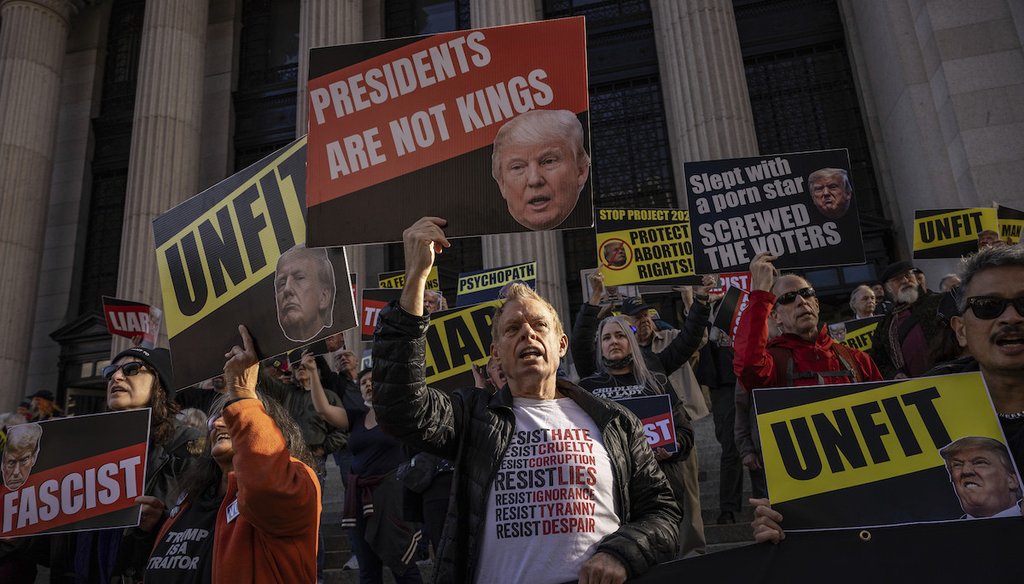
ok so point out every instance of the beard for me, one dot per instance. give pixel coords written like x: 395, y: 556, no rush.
x: 907, y: 295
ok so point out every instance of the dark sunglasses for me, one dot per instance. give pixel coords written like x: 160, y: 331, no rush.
x: 989, y: 307
x: 129, y: 369
x: 790, y: 297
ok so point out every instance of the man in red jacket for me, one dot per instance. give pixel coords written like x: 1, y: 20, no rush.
x: 803, y: 353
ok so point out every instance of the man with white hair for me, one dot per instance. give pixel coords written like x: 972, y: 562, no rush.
x: 900, y: 344
x: 862, y: 302
x: 540, y: 165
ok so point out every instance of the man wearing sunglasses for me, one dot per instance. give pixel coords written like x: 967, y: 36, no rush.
x: 803, y: 353
x: 900, y: 346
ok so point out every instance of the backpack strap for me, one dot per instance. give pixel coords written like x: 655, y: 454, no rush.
x: 845, y: 356
x: 784, y: 364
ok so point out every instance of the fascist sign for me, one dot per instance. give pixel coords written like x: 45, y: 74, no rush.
x: 951, y: 233
x: 739, y: 280
x: 856, y: 333
x: 133, y: 320
x: 655, y: 414
x: 374, y: 300
x: 235, y: 254
x: 486, y: 285
x: 883, y: 453
x: 409, y: 125
x: 57, y: 481
x: 1011, y: 221
x: 396, y: 279
x: 799, y: 206
x: 456, y: 340
x: 645, y: 246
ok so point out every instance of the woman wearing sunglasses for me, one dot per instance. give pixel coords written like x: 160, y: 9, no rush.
x: 136, y: 378
x: 250, y: 509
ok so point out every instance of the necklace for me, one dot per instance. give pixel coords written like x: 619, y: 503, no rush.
x: 1013, y: 416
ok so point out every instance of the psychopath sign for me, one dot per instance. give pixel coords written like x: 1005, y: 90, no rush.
x: 800, y: 206
x: 951, y: 233
x: 486, y: 285
x: 408, y: 125
x: 396, y: 279
x: 133, y: 320
x: 645, y: 246
x: 235, y: 254
x: 655, y: 414
x: 55, y: 481
x: 858, y: 455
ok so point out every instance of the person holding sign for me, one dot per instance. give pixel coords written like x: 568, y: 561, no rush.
x: 305, y: 290
x: 551, y: 483
x: 983, y: 477
x: 804, y: 353
x: 254, y: 497
x: 541, y: 166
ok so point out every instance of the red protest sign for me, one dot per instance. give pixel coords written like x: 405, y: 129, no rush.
x: 56, y: 482
x: 407, y: 125
x: 374, y: 300
x: 655, y: 413
x: 739, y: 280
x: 130, y: 319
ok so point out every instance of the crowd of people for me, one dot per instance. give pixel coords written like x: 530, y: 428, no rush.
x: 531, y: 475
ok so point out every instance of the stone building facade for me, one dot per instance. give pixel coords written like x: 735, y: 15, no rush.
x: 112, y: 111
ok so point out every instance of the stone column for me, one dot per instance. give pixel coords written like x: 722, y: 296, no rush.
x: 703, y: 83
x: 545, y: 248
x: 33, y: 38
x: 323, y: 23
x: 163, y: 165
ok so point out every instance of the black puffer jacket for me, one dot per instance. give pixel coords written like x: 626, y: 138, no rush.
x: 473, y: 428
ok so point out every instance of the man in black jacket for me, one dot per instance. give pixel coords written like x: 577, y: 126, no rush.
x: 551, y: 484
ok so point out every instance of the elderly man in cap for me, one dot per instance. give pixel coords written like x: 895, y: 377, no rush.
x: 900, y: 345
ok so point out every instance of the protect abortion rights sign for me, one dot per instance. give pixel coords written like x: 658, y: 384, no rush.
x: 133, y: 320
x: 801, y: 207
x: 871, y: 454
x: 403, y: 128
x: 74, y: 474
x: 951, y: 233
x: 236, y: 254
x: 645, y: 246
x: 486, y: 285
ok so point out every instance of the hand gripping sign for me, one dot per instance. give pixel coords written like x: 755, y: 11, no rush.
x: 405, y: 128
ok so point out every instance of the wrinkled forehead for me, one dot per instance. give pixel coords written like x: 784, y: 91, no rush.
x: 1001, y: 281
x: 19, y: 452
x: 789, y: 283
x: 519, y: 309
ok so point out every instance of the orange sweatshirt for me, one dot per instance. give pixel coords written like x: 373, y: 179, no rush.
x: 266, y: 528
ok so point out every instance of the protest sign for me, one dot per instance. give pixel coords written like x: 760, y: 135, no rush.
x: 655, y: 414
x: 374, y: 300
x: 612, y: 294
x: 1011, y: 221
x: 396, y: 279
x: 868, y: 454
x: 457, y: 339
x: 951, y: 233
x: 486, y: 285
x: 235, y: 254
x: 794, y: 206
x: 645, y: 246
x: 730, y: 309
x: 133, y: 320
x: 74, y: 474
x: 403, y: 128
x: 739, y: 280
x: 857, y: 333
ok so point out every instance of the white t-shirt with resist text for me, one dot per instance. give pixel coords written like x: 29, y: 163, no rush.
x: 552, y: 499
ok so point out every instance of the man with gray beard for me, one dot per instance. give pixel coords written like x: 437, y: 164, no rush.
x: 900, y: 346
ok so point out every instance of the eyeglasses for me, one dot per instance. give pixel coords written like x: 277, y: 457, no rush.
x: 129, y: 369
x: 989, y: 307
x: 790, y: 297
